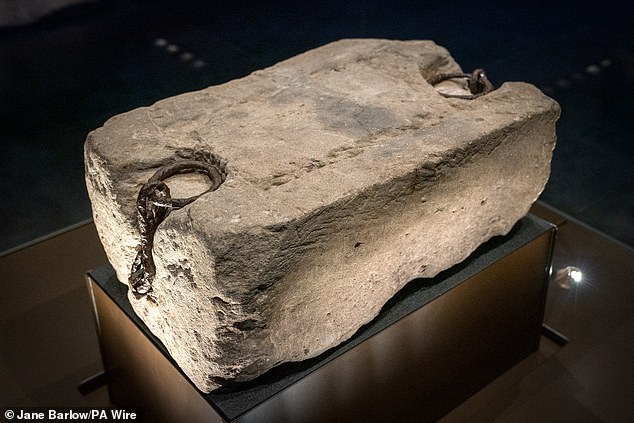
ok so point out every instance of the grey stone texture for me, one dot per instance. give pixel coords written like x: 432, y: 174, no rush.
x: 347, y: 176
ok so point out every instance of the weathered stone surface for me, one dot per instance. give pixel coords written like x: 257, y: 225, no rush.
x: 348, y: 175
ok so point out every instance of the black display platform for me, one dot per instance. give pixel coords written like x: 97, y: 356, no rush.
x: 433, y: 345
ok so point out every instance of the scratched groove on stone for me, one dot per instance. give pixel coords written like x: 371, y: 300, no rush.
x: 347, y: 175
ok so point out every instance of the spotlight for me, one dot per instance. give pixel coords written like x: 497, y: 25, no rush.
x: 568, y: 274
x: 575, y: 274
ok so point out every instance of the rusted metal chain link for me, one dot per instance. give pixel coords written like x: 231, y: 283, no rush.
x: 153, y: 205
x: 477, y: 82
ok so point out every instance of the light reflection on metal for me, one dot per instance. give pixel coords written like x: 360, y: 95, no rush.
x: 567, y: 275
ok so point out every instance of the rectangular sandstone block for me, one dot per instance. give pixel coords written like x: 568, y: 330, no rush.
x: 343, y: 175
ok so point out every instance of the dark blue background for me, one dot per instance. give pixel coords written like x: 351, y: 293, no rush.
x: 66, y: 74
